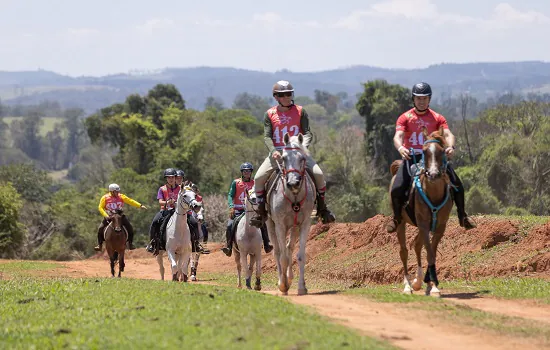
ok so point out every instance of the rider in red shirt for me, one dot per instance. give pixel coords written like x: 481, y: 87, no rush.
x: 409, y: 135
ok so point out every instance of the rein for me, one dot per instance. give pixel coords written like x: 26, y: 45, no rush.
x: 418, y: 185
x: 296, y: 205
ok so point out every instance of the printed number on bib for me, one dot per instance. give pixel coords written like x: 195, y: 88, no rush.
x: 241, y: 197
x: 280, y: 133
x: 112, y: 206
x: 416, y: 139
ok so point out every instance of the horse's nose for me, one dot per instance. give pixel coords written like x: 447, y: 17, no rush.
x: 118, y: 229
x: 433, y: 174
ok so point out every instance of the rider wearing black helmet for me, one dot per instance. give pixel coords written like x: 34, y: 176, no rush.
x: 167, y: 196
x: 235, y: 200
x: 180, y: 175
x: 409, y: 135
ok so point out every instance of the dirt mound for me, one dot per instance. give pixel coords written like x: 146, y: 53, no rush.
x: 361, y: 253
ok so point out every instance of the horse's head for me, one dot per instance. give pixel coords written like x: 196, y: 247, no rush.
x: 294, y: 161
x: 187, y: 199
x: 116, y: 220
x: 251, y: 199
x: 435, y: 159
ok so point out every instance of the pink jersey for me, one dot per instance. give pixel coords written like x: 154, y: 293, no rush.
x: 283, y: 122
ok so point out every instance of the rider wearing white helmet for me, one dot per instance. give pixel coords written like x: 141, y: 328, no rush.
x: 108, y: 205
x: 284, y: 118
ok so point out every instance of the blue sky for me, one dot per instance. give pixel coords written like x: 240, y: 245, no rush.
x: 103, y: 37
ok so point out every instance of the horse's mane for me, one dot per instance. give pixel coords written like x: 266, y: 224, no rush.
x: 294, y: 142
x: 436, y: 135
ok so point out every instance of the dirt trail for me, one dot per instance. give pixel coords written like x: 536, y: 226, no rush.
x: 401, y: 325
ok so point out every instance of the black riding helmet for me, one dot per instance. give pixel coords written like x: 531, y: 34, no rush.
x: 169, y: 172
x: 180, y: 172
x: 421, y: 89
x: 247, y: 166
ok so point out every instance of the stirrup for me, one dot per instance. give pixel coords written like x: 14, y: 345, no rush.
x: 326, y: 216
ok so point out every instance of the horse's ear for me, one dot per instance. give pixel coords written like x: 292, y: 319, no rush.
x: 301, y: 138
x: 286, y: 138
x: 441, y: 131
x: 425, y: 132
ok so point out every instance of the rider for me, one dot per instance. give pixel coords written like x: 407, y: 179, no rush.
x: 278, y: 120
x: 167, y: 195
x: 180, y: 175
x: 235, y: 200
x: 408, y: 134
x: 109, y: 203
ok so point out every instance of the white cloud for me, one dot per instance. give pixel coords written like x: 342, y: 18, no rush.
x: 267, y: 17
x: 154, y: 24
x: 82, y: 31
x: 503, y: 15
x: 504, y: 12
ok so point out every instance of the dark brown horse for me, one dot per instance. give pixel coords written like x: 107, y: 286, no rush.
x: 430, y: 194
x: 115, y: 242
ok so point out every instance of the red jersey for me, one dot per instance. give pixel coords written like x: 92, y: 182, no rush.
x: 283, y: 122
x: 412, y: 123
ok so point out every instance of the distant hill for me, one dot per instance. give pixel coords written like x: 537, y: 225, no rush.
x: 196, y: 84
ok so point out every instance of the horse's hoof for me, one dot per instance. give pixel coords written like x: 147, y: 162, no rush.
x: 175, y: 277
x: 302, y: 291
x: 407, y: 291
x: 184, y: 278
x: 435, y: 294
x: 193, y: 278
x: 258, y: 287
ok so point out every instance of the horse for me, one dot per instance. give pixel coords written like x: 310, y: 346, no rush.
x: 248, y: 243
x: 430, y: 194
x: 195, y: 221
x: 115, y: 242
x: 178, y: 238
x: 290, y: 202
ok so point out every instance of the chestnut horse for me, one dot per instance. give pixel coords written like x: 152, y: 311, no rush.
x: 430, y: 194
x: 115, y: 241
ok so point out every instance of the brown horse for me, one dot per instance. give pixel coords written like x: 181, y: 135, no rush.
x: 115, y: 242
x: 430, y: 194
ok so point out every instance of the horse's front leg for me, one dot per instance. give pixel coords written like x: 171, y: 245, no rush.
x: 121, y: 263
x: 404, y: 255
x: 258, y: 285
x: 237, y: 257
x: 301, y: 257
x: 160, y: 262
x: 294, y: 236
x: 173, y: 261
x: 246, y: 266
x: 417, y: 283
x: 430, y: 278
x: 436, y: 238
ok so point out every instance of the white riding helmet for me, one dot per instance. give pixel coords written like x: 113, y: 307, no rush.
x: 114, y: 187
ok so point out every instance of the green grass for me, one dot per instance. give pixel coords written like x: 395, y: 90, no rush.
x: 537, y: 289
x: 21, y: 268
x: 128, y: 313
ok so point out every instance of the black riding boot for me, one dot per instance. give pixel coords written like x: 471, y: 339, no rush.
x: 322, y: 211
x: 463, y: 218
x: 260, y: 217
x: 397, y: 207
x: 228, y: 249
x: 99, y: 239
x: 265, y: 237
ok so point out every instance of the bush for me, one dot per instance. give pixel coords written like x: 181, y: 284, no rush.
x: 480, y: 200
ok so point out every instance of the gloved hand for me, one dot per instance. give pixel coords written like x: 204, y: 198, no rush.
x: 232, y: 213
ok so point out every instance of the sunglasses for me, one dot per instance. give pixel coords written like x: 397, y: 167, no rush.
x: 284, y: 94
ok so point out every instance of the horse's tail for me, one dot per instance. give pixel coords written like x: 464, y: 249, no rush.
x: 395, y: 166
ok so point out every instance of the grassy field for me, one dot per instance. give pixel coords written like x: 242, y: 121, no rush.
x: 49, y: 123
x: 127, y: 313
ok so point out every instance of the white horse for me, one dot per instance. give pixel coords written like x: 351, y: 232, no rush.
x: 291, y: 203
x: 248, y: 241
x: 178, y: 238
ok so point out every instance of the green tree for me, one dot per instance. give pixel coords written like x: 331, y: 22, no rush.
x: 381, y: 104
x: 12, y: 233
x: 256, y: 105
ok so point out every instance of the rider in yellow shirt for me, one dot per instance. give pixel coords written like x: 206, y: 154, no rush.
x: 108, y: 205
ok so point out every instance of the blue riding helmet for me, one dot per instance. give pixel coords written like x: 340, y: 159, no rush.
x: 247, y: 166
